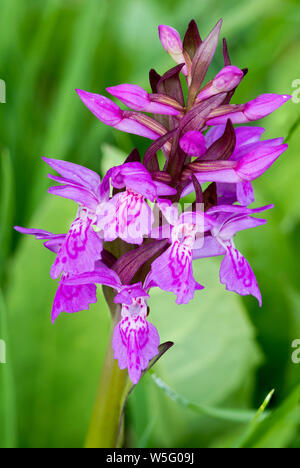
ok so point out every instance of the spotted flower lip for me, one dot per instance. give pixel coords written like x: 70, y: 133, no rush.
x: 80, y: 249
x: 135, y: 176
x: 72, y: 299
x: 127, y: 215
x: 135, y: 340
x: 69, y: 298
x: 77, y: 292
x: 82, y: 246
x: 173, y: 270
x: 235, y: 271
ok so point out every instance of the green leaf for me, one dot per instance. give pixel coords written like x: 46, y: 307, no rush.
x: 275, y: 430
x: 240, y: 416
x: 257, y: 418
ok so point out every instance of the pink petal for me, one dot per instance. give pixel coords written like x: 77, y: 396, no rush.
x: 264, y: 105
x: 237, y: 275
x: 73, y: 299
x: 138, y: 99
x: 79, y: 250
x: 173, y: 272
x: 193, y: 143
x: 135, y: 340
x: 80, y: 175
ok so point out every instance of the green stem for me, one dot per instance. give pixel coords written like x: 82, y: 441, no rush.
x: 104, y: 427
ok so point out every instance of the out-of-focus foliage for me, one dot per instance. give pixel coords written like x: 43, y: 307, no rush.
x: 227, y: 351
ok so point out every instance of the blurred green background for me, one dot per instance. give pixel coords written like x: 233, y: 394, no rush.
x: 228, y: 352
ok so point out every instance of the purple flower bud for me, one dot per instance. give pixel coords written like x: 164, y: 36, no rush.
x: 228, y: 78
x: 172, y: 43
x: 264, y: 105
x: 256, y: 109
x: 133, y: 96
x: 111, y: 114
x: 255, y: 163
x: 193, y: 143
x: 170, y: 40
x: 138, y: 99
x: 251, y: 166
x: 102, y: 107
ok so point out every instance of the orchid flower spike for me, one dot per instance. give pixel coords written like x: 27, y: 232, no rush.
x: 128, y: 233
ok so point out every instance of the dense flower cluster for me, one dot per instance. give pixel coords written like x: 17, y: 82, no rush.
x: 129, y: 233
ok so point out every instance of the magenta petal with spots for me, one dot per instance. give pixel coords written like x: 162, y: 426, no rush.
x: 134, y: 176
x: 127, y: 293
x: 245, y: 193
x: 73, y: 299
x: 79, y: 250
x: 237, y: 275
x: 235, y: 271
x: 173, y: 272
x: 135, y: 340
x: 127, y: 216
